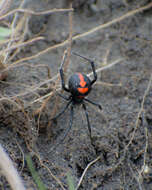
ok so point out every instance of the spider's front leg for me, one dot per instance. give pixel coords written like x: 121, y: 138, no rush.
x: 92, y: 65
x: 94, y: 72
x: 62, y: 76
x: 88, y: 122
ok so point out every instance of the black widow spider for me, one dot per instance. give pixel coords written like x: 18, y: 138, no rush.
x: 79, y: 87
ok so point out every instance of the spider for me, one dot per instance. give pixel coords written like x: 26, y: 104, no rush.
x: 79, y: 87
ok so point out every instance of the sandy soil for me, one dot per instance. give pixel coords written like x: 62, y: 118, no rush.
x: 122, y: 140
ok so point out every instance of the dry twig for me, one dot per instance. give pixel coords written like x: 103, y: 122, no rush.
x: 22, y: 44
x: 115, y: 166
x: 66, y: 64
x: 4, y: 6
x: 140, y: 112
x: 84, y: 172
x: 9, y: 171
x: 34, y: 12
x: 91, y: 31
x: 51, y: 174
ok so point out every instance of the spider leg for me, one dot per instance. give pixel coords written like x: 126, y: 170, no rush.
x: 67, y: 130
x: 70, y: 124
x: 92, y: 65
x: 63, y: 110
x: 64, y: 97
x: 88, y: 122
x: 94, y: 103
x: 62, y: 76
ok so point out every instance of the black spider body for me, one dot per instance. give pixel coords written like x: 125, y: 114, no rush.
x: 79, y: 87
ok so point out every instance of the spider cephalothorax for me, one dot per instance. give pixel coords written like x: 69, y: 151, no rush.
x: 79, y: 87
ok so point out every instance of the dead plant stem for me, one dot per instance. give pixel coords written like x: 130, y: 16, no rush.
x: 91, y: 31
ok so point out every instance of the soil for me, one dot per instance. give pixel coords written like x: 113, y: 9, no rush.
x: 122, y: 139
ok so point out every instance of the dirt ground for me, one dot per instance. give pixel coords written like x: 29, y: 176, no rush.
x: 120, y: 157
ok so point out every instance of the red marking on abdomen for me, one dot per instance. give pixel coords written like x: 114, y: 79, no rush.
x: 82, y: 81
x: 82, y: 90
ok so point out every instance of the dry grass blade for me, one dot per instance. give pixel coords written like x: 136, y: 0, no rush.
x: 84, y: 172
x: 9, y: 171
x: 51, y: 174
x: 65, y: 66
x: 136, y: 124
x: 4, y: 6
x: 70, y: 39
x: 140, y: 111
x: 23, y: 44
x: 23, y: 160
x: 35, y: 13
x: 100, y: 27
x: 16, y: 25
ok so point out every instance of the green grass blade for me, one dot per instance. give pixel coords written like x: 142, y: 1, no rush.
x: 35, y: 175
x: 4, y: 32
x: 70, y: 182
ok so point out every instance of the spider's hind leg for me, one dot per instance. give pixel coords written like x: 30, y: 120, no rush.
x: 70, y: 124
x: 62, y: 111
x: 67, y: 130
x: 88, y: 122
x: 93, y: 103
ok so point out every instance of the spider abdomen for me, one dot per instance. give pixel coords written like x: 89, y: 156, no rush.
x: 79, y: 85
